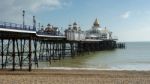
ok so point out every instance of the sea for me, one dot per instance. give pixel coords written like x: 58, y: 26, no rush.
x: 136, y: 56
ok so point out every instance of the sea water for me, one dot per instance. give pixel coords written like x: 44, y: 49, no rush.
x: 136, y: 56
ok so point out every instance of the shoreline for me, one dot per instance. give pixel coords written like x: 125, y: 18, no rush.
x: 66, y: 71
x: 73, y: 72
x: 97, y: 69
x: 74, y: 68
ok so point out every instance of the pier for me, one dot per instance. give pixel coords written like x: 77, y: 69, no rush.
x: 22, y: 46
x: 121, y: 45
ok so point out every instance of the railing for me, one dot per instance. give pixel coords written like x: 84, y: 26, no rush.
x: 9, y: 25
x: 50, y: 33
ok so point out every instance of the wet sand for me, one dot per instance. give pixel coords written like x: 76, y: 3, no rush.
x: 53, y: 76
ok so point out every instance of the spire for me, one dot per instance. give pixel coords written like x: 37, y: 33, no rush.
x: 96, y: 23
x: 105, y: 29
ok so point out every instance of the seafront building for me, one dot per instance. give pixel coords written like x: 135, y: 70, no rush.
x: 98, y: 33
x: 75, y: 33
x: 49, y: 30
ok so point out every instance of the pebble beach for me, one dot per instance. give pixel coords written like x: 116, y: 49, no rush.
x: 60, y: 76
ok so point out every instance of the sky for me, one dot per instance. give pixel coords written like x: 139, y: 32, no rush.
x: 129, y: 20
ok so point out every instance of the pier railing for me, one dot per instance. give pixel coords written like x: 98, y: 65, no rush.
x: 50, y: 33
x: 9, y: 25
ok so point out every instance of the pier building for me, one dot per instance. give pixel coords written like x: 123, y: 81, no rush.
x: 75, y: 33
x: 98, y: 33
x: 49, y: 30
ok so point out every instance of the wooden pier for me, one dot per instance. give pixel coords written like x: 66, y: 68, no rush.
x: 121, y: 45
x: 22, y: 46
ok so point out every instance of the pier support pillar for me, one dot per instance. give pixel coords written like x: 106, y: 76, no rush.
x: 13, y: 55
x: 35, y: 53
x: 2, y: 51
x: 30, y: 64
x: 21, y: 54
x: 63, y: 49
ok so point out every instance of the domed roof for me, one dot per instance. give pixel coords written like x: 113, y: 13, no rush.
x: 69, y: 25
x: 49, y: 28
x: 96, y: 23
x: 105, y: 30
x: 48, y: 25
x: 74, y: 23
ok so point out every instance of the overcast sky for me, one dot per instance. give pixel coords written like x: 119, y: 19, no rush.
x: 129, y: 20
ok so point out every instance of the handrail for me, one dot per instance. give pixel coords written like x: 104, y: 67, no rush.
x: 9, y: 25
x: 50, y: 33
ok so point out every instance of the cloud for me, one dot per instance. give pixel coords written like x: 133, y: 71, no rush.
x: 43, y: 4
x: 126, y: 15
x: 11, y: 10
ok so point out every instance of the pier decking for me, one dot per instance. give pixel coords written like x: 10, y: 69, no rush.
x: 21, y: 45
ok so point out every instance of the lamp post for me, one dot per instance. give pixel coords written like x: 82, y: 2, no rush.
x: 34, y: 23
x: 23, y: 17
x: 39, y: 26
x: 110, y: 35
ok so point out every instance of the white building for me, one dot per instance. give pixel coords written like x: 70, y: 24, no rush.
x: 50, y: 30
x: 98, y: 33
x: 95, y: 33
x: 74, y: 33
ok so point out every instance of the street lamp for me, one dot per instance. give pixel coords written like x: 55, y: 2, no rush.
x: 39, y: 26
x: 23, y: 17
x: 110, y: 35
x: 34, y: 23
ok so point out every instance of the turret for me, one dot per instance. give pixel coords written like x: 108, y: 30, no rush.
x: 75, y: 26
x: 96, y: 24
x: 69, y: 27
